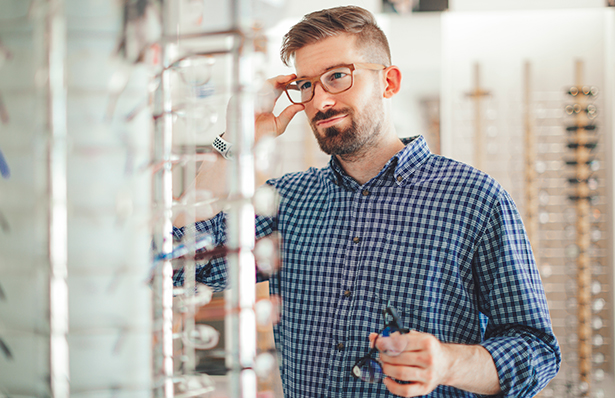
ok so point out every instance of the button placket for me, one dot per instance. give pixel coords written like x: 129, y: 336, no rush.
x: 352, y: 259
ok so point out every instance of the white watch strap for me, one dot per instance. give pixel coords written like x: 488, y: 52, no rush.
x: 222, y: 146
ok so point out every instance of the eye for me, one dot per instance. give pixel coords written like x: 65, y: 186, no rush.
x: 336, y: 76
x: 304, y: 85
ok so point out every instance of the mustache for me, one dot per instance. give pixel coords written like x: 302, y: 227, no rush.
x: 327, y: 114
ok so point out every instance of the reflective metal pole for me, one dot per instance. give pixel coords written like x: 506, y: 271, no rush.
x: 241, y: 326
x: 58, y: 223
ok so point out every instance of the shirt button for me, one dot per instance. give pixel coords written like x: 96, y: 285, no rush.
x: 340, y: 347
x: 365, y: 192
x: 400, y: 178
x: 347, y: 293
x: 356, y: 239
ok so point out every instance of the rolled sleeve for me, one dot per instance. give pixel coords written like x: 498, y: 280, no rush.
x: 214, y: 272
x: 518, y: 333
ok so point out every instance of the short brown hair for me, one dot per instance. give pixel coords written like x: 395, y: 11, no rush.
x: 331, y: 22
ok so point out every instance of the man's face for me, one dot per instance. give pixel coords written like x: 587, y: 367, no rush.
x: 346, y: 122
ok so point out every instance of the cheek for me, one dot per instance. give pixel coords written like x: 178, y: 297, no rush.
x: 309, y: 112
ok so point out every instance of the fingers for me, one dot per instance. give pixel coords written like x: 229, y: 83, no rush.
x: 393, y: 345
x: 418, y: 358
x: 271, y: 91
x: 414, y: 358
x: 266, y: 122
x: 411, y: 366
x: 279, y: 82
x: 419, y: 349
x: 412, y: 341
x: 419, y: 377
x: 286, y: 116
x: 372, y: 337
x: 407, y: 390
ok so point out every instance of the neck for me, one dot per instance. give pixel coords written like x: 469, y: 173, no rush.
x: 365, y: 164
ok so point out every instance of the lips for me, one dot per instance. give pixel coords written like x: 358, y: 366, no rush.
x: 331, y: 121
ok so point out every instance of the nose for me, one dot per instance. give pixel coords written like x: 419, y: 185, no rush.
x: 322, y: 100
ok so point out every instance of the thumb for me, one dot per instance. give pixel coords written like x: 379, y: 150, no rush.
x: 286, y: 116
x: 392, y: 345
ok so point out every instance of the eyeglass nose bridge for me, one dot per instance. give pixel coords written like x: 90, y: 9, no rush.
x: 324, y: 88
x: 313, y: 82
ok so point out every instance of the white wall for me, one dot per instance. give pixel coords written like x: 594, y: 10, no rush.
x: 485, y: 5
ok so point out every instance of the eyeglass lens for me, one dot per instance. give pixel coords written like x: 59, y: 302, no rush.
x: 333, y: 81
x: 368, y: 370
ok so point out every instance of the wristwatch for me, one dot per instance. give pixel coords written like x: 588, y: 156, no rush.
x: 222, y: 146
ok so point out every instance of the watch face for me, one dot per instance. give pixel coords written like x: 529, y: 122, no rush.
x: 223, y: 147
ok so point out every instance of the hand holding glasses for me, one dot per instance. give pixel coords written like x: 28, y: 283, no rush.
x: 368, y: 368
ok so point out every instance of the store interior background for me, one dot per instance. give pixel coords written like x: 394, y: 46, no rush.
x: 526, y: 53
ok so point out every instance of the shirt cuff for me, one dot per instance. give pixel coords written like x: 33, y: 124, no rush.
x: 524, y: 364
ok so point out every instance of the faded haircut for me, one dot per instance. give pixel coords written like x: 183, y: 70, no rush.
x: 319, y: 25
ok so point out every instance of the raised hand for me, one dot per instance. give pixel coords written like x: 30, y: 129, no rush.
x: 266, y: 123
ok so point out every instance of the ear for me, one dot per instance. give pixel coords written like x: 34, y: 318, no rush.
x: 392, y: 81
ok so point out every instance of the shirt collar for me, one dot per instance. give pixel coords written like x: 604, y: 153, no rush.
x: 404, y: 163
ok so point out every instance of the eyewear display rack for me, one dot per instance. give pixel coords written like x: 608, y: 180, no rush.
x: 582, y: 141
x: 476, y: 95
x: 210, y: 58
x: 106, y: 108
x: 489, y: 132
x: 75, y: 242
x: 571, y: 231
x: 531, y: 200
x: 562, y: 195
x: 566, y: 204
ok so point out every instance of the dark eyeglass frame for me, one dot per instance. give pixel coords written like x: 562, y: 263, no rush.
x: 316, y: 79
x: 369, y: 360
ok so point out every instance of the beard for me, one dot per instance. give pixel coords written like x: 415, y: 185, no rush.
x: 359, y: 136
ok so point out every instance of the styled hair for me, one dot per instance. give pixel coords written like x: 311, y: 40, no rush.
x: 319, y: 25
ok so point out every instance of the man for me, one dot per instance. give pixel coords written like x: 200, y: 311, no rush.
x: 389, y: 227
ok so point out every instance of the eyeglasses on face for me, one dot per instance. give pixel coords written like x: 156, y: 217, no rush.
x: 368, y: 368
x: 334, y: 81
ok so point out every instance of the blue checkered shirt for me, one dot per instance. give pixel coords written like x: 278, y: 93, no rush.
x: 439, y: 240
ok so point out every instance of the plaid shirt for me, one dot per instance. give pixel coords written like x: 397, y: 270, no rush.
x: 439, y: 240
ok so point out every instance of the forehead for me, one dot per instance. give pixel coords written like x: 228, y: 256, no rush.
x: 316, y: 58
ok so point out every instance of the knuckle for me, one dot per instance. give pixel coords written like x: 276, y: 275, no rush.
x: 430, y: 375
x: 430, y: 342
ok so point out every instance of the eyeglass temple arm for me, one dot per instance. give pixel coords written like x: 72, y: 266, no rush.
x: 363, y: 65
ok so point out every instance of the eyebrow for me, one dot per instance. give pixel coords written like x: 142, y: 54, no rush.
x: 325, y: 70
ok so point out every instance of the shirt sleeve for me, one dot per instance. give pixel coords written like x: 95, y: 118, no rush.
x: 214, y: 272
x: 518, y: 333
